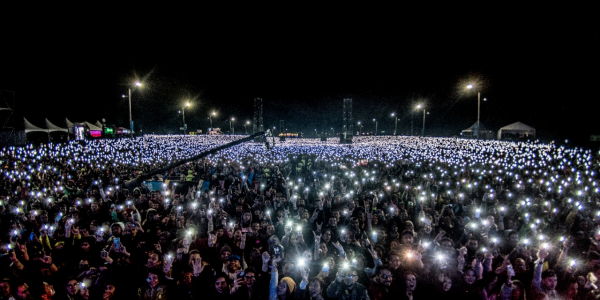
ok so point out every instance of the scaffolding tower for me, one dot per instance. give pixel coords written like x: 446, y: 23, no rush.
x: 348, y: 126
x: 257, y: 124
x: 8, y: 130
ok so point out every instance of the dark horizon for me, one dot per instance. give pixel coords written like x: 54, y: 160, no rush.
x: 543, y: 77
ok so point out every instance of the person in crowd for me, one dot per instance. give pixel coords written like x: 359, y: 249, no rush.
x: 221, y: 287
x: 381, y: 287
x: 71, y: 290
x: 544, y: 281
x: 345, y: 286
x: 5, y: 292
x: 156, y: 287
x: 72, y: 212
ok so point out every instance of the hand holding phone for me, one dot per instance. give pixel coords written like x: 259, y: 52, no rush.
x: 278, y: 251
x: 511, y: 271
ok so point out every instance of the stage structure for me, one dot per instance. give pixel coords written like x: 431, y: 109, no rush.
x: 348, y: 127
x: 281, y: 130
x: 8, y: 132
x: 257, y: 124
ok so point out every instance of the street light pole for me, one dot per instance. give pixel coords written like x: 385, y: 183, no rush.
x: 130, y: 118
x: 412, y: 121
x: 137, y: 83
x: 183, y: 115
x: 210, y: 118
x: 359, y: 128
x: 419, y: 107
x: 470, y: 86
x: 246, y: 127
x: 423, y: 131
x: 374, y: 120
x: 395, y: 122
x: 478, y: 111
x: 231, y: 125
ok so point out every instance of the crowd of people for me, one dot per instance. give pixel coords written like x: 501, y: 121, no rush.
x: 384, y: 217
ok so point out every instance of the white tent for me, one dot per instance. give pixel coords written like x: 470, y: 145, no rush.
x: 53, y: 128
x: 517, y: 129
x: 32, y: 128
x: 89, y: 125
x: 93, y: 127
x: 484, y: 133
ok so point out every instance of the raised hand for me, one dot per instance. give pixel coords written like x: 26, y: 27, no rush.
x: 304, y: 275
x: 319, y: 226
x: 373, y: 252
x: 287, y: 231
x: 186, y: 243
x: 236, y: 284
x: 315, y: 214
x: 542, y: 254
x: 317, y: 237
x: 47, y: 259
x: 168, y: 263
x: 276, y: 260
x: 488, y: 255
x: 212, y: 239
x: 338, y: 246
x: 266, y: 257
x: 197, y: 266
x: 123, y: 250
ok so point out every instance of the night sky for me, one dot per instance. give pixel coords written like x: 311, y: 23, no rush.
x: 536, y: 69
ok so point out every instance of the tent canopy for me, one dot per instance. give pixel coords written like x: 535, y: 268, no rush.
x: 32, y: 128
x: 472, y: 128
x: 93, y: 127
x: 516, y: 128
x: 53, y: 128
x: 89, y: 125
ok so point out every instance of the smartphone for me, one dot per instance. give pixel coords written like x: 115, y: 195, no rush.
x: 240, y: 274
x: 117, y: 242
x: 103, y: 254
x: 278, y: 251
x: 31, y: 237
x: 245, y: 229
x: 511, y: 271
x: 325, y: 268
